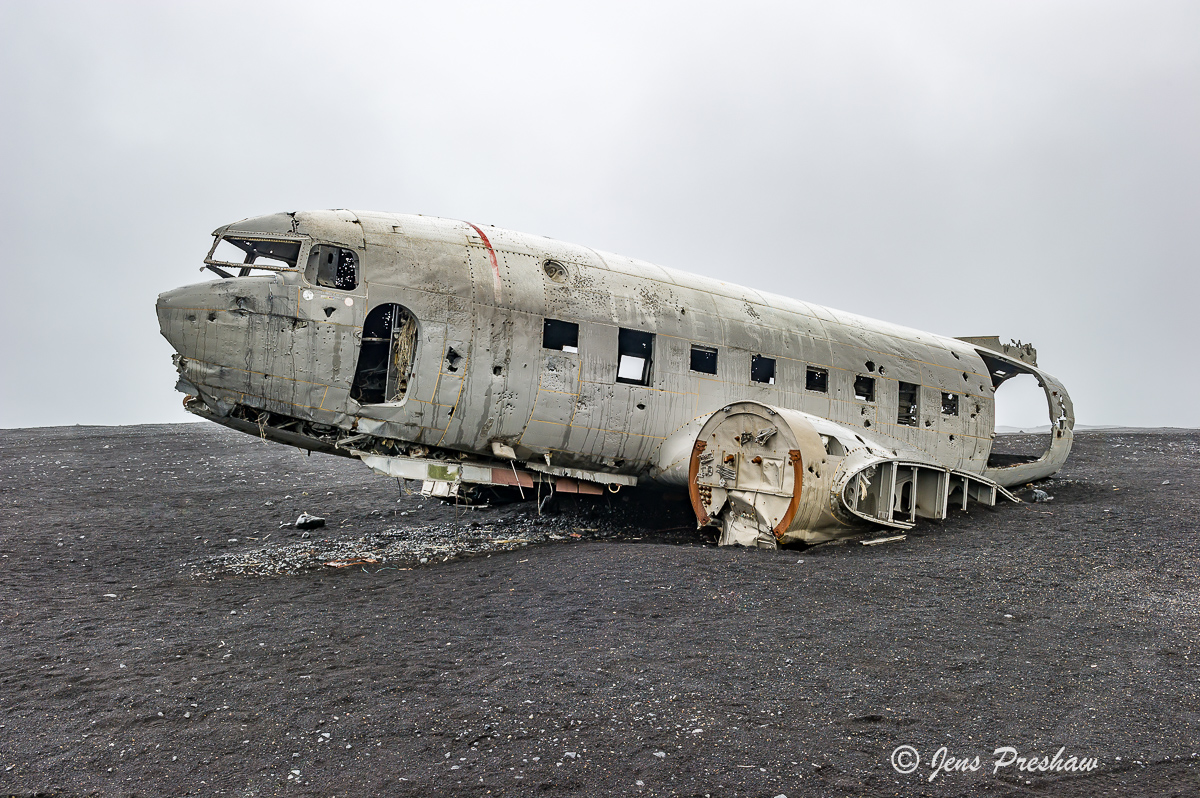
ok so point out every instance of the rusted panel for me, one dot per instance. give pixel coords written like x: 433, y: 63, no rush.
x: 501, y: 476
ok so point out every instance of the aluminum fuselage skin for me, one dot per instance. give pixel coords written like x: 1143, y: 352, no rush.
x: 257, y: 341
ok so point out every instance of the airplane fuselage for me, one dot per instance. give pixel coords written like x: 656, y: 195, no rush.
x: 455, y: 338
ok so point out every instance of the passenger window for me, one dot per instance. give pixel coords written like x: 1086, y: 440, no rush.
x: 762, y: 369
x: 907, y: 412
x: 949, y: 404
x: 864, y: 388
x: 817, y: 380
x: 332, y: 267
x: 704, y: 359
x: 560, y: 335
x: 635, y: 350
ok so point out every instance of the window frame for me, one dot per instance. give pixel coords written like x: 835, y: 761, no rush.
x: 755, y: 360
x: 868, y: 395
x: 639, y: 345
x: 950, y: 400
x: 704, y: 351
x: 558, y: 326
x: 913, y: 418
x: 312, y: 277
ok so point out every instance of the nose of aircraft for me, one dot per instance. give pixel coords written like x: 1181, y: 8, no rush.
x: 185, y: 314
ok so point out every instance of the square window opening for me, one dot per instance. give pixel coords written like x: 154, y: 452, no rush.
x: 560, y: 335
x: 907, y: 411
x: 704, y: 359
x: 949, y: 404
x: 762, y: 369
x: 864, y: 388
x: 816, y: 380
x: 635, y: 352
x: 332, y: 267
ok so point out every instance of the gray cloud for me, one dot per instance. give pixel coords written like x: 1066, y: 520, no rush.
x: 1022, y: 169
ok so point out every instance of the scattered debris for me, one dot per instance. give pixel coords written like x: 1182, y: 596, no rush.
x: 877, y: 541
x: 306, y: 521
x: 487, y: 532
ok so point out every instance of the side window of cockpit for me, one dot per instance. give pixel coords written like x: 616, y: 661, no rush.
x: 332, y: 267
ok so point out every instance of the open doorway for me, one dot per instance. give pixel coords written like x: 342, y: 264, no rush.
x: 385, y: 360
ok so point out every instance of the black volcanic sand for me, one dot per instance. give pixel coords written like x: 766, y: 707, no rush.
x: 625, y: 661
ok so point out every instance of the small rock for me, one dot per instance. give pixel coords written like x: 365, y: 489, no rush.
x: 306, y: 521
x: 661, y: 754
x: 1041, y: 496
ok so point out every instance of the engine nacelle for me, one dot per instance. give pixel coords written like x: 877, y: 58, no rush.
x: 768, y: 475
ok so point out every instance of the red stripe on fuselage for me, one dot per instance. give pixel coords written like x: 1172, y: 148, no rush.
x: 492, y: 257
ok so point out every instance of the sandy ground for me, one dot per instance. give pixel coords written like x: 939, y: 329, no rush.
x: 601, y: 649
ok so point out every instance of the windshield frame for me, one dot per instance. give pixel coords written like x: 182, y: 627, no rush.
x: 244, y: 269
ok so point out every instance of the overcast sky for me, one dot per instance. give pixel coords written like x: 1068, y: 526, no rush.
x: 1022, y: 169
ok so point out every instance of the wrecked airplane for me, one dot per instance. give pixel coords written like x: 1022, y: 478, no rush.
x: 473, y: 358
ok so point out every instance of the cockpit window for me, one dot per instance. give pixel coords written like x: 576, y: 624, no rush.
x: 257, y: 253
x: 332, y: 267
